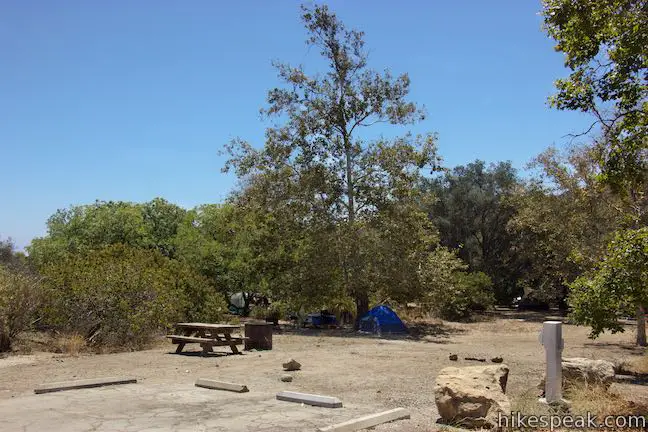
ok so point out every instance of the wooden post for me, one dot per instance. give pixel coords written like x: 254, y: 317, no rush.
x: 259, y: 336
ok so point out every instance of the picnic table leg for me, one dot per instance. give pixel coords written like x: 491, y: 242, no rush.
x: 207, y: 348
x: 181, y: 345
x: 235, y: 350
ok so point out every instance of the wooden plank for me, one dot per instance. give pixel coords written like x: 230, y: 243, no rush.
x: 81, y: 384
x: 208, y: 326
x: 196, y: 339
x: 191, y: 339
x: 221, y: 385
x: 310, y: 399
x: 368, y: 421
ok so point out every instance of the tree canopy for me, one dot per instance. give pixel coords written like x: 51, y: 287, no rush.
x: 605, y: 43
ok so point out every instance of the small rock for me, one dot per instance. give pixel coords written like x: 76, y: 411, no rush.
x: 292, y: 365
x: 187, y: 371
x: 453, y: 357
x: 286, y: 378
x: 497, y: 359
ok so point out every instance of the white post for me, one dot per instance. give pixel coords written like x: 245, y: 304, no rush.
x: 551, y: 339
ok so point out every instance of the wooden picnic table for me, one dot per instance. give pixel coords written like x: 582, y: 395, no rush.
x: 207, y: 335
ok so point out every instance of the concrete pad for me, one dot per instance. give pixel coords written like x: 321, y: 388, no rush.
x: 81, y: 384
x: 310, y: 399
x: 368, y: 421
x: 221, y: 385
x: 164, y: 407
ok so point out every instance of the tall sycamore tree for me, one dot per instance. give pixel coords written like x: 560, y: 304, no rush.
x: 316, y: 169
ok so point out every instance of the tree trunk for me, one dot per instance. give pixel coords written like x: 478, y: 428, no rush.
x: 5, y: 342
x: 641, y: 326
x: 362, y: 307
x: 349, y: 179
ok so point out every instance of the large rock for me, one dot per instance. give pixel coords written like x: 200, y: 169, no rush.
x: 584, y: 370
x: 588, y: 370
x: 472, y: 396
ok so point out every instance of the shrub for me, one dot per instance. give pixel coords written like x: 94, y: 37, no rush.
x: 202, y: 302
x: 121, y: 296
x: 20, y: 299
x: 258, y: 312
x: 452, y: 292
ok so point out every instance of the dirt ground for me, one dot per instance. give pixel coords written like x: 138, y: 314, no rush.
x: 368, y: 374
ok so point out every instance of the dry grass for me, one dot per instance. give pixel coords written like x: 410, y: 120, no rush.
x: 528, y: 403
x: 584, y: 400
x: 597, y: 400
x: 413, y: 314
x: 72, y: 344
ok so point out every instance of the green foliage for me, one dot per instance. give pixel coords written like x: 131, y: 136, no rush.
x: 6, y: 251
x: 617, y: 287
x: 161, y: 221
x: 21, y: 298
x: 81, y: 229
x: 451, y: 292
x: 605, y: 43
x: 472, y: 211
x: 123, y: 296
x: 220, y: 242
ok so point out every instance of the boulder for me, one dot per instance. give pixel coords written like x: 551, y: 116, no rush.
x: 472, y: 396
x: 587, y: 370
x: 292, y: 365
x: 286, y: 378
x: 584, y: 370
x: 453, y: 357
x: 497, y: 359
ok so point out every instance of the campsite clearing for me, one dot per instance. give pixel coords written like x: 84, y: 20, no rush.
x: 368, y: 374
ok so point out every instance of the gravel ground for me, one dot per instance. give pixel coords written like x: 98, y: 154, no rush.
x: 369, y: 373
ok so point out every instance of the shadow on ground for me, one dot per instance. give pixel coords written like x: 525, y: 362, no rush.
x: 433, y: 332
x: 200, y: 353
x: 527, y: 316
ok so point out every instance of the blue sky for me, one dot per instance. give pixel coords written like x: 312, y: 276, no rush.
x: 132, y: 100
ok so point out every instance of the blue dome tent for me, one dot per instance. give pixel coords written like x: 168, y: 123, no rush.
x: 381, y: 319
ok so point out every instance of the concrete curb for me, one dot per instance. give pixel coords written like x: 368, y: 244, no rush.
x: 368, y: 421
x: 310, y: 399
x: 221, y: 385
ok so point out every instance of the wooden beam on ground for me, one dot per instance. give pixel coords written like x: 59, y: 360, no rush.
x: 310, y: 399
x: 221, y: 385
x: 368, y: 421
x: 81, y: 384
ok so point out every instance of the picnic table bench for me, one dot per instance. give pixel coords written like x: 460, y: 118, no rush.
x: 207, y: 335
